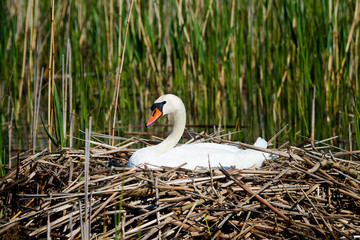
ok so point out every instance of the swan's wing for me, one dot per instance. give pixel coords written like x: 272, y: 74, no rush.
x: 210, y: 148
x: 143, y: 155
x: 198, y: 154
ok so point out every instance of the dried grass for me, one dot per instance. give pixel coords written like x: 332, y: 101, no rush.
x: 305, y: 192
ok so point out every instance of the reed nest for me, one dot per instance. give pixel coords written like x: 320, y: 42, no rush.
x: 309, y: 191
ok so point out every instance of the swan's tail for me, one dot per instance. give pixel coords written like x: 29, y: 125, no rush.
x: 263, y: 144
x: 260, y: 143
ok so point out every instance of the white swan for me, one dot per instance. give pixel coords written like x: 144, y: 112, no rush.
x: 196, y: 154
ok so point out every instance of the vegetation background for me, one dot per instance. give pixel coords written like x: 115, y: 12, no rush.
x: 253, y: 66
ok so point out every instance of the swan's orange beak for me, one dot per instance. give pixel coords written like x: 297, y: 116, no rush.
x: 154, y: 116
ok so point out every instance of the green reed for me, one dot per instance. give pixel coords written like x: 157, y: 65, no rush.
x: 253, y: 64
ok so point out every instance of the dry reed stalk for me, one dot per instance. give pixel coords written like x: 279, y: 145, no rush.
x: 335, y: 42
x: 86, y: 201
x: 50, y: 72
x: 277, y: 134
x: 107, y: 31
x: 17, y: 106
x: 32, y: 71
x: 118, y: 59
x: 117, y: 86
x: 10, y: 133
x: 313, y: 115
x: 111, y: 27
x: 64, y: 96
x: 350, y: 37
x: 37, y: 97
x: 69, y: 75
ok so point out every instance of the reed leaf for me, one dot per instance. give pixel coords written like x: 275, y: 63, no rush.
x: 53, y: 139
x: 59, y: 130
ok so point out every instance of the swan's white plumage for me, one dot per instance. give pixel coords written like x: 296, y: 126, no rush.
x: 196, y: 154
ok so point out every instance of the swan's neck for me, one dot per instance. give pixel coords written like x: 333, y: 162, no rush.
x: 176, y: 134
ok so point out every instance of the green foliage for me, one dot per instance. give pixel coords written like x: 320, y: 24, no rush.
x: 207, y: 225
x: 252, y: 62
x: 58, y: 119
x: 51, y: 137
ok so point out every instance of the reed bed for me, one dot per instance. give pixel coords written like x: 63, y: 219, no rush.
x: 309, y: 191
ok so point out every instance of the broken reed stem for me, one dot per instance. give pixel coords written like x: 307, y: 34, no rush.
x: 117, y: 88
x: 157, y: 204
x: 277, y: 134
x: 72, y: 114
x: 36, y: 80
x: 48, y: 232
x: 107, y: 32
x: 313, y: 116
x: 64, y: 97
x: 263, y: 201
x: 111, y: 13
x: 87, y: 163
x: 10, y: 134
x: 37, y: 108
x: 326, y: 163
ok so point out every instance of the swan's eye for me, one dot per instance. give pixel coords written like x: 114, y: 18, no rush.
x: 157, y: 112
x: 159, y: 106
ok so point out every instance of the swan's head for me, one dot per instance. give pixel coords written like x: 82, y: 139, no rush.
x: 165, y: 104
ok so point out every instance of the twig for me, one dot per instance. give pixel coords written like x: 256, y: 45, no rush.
x: 263, y: 201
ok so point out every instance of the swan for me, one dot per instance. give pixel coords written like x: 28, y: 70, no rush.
x: 196, y: 154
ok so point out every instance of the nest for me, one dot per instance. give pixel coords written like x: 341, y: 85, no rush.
x: 305, y: 192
